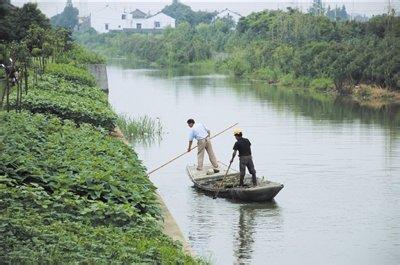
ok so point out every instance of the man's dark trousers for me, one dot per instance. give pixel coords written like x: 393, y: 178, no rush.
x: 247, y: 161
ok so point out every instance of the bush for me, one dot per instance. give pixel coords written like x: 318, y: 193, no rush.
x: 269, y: 74
x: 288, y: 80
x: 81, y: 56
x: 71, y: 73
x: 238, y: 64
x: 322, y: 84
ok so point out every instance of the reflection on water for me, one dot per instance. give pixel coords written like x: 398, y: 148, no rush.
x: 323, y: 108
x: 244, y: 239
x: 250, y: 216
x: 340, y: 165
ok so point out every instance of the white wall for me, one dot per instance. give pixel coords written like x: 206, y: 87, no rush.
x: 163, y: 19
x: 133, y: 23
x: 114, y: 20
x: 109, y: 16
x: 227, y: 13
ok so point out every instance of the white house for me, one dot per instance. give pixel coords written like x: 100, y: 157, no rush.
x: 108, y: 19
x: 159, y: 21
x: 226, y: 13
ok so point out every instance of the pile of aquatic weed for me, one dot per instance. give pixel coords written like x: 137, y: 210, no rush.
x: 141, y: 128
x: 73, y: 194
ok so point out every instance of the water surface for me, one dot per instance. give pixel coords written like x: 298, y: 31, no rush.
x: 340, y: 165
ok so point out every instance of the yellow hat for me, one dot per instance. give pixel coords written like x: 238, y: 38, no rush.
x: 237, y: 131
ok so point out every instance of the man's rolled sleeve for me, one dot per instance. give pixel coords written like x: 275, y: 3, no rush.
x: 191, y: 135
x: 235, y: 146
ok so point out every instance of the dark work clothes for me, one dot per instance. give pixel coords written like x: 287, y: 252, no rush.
x: 245, y: 159
x: 243, y: 146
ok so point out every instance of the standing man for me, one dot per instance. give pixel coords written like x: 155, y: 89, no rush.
x: 202, y: 135
x: 245, y: 159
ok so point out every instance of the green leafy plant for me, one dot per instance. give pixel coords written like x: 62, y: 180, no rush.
x: 70, y: 106
x: 60, y: 85
x: 81, y: 56
x: 75, y: 194
x: 71, y: 73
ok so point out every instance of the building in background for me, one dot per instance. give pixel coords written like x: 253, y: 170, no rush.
x: 226, y: 13
x: 109, y: 19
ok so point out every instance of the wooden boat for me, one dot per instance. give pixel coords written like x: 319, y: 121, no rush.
x: 209, y: 182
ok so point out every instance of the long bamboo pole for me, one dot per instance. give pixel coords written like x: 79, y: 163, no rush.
x: 179, y: 156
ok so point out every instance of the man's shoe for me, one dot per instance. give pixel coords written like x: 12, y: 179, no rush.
x: 199, y: 169
x: 216, y: 170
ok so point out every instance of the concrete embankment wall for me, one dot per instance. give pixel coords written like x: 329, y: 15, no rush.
x: 99, y: 71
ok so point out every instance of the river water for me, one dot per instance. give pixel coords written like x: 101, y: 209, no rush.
x: 340, y: 166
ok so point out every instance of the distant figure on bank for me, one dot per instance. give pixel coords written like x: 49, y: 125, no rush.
x: 245, y: 159
x: 200, y: 132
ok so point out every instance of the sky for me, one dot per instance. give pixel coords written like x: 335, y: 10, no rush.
x: 243, y: 7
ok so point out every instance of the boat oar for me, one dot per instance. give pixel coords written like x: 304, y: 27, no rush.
x: 175, y: 158
x: 226, y: 174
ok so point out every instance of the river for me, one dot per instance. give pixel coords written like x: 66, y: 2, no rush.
x: 340, y: 165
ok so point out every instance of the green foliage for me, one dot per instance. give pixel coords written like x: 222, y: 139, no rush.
x: 71, y: 73
x: 6, y: 14
x: 237, y: 63
x: 73, y: 195
x: 68, y: 18
x: 322, y: 84
x: 306, y: 46
x: 71, y: 159
x: 15, y: 22
x: 80, y: 55
x: 59, y: 85
x: 65, y: 103
x: 313, y: 46
x: 269, y: 74
x: 183, y: 13
x: 181, y: 45
x: 317, y: 8
x: 69, y: 192
x: 337, y: 13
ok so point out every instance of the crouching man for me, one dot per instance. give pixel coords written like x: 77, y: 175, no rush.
x: 245, y: 159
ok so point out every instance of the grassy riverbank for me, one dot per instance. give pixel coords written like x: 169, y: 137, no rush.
x: 70, y: 192
x: 322, y: 89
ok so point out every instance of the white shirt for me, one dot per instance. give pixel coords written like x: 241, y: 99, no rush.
x: 198, y: 132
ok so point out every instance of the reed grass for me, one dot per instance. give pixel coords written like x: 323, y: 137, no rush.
x: 140, y: 129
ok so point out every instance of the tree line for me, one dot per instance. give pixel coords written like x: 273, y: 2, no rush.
x: 348, y: 52
x: 303, y: 45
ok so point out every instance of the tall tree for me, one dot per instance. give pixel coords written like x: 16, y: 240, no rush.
x: 317, y: 8
x: 6, y: 13
x: 68, y: 18
x: 27, y: 16
x: 337, y: 13
x: 183, y: 13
